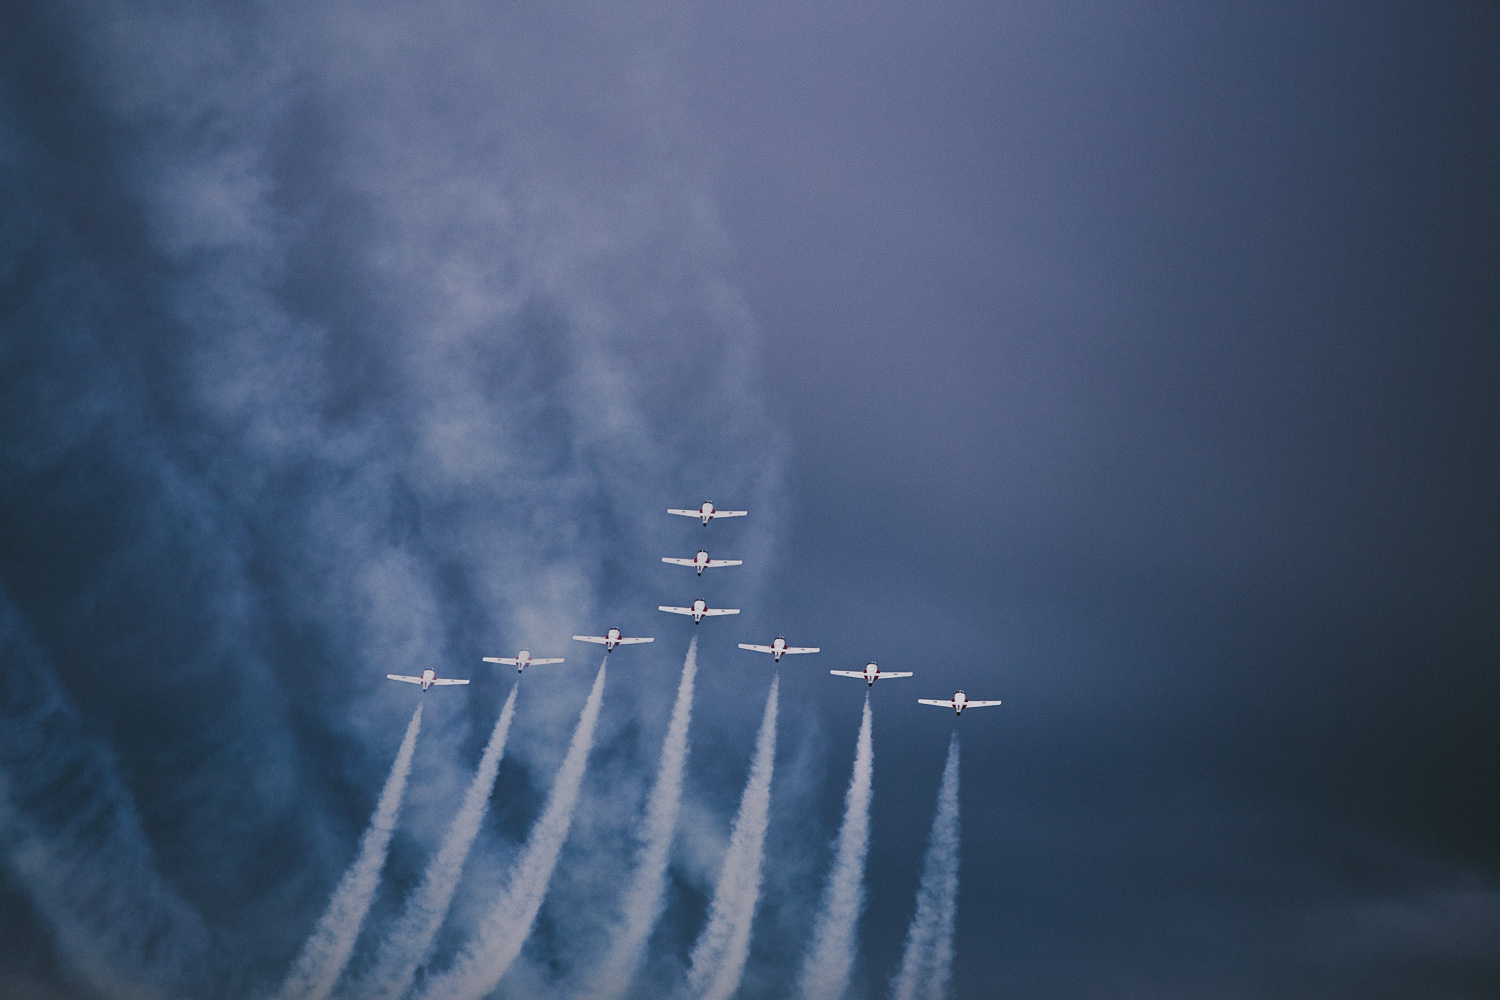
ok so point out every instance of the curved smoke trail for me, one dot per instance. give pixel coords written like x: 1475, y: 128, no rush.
x: 505, y: 929
x: 407, y: 945
x: 72, y: 839
x: 927, y: 963
x: 719, y: 955
x: 327, y: 951
x: 643, y: 897
x: 826, y: 966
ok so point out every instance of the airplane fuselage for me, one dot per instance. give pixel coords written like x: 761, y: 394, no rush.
x: 612, y: 639
x: 778, y: 647
x: 706, y: 512
x: 428, y: 676
x: 872, y: 674
x: 959, y: 701
x: 700, y: 608
x: 701, y: 559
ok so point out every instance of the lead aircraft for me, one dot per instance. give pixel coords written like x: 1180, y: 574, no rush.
x: 958, y: 703
x: 428, y: 679
x: 701, y: 561
x: 698, y: 610
x: 707, y: 512
x: 522, y: 660
x: 778, y: 648
x: 610, y: 639
x: 870, y: 674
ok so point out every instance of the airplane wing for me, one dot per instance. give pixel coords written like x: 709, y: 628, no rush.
x: 681, y: 562
x: 722, y: 611
x: 848, y: 673
x: 507, y: 660
x: 408, y: 680
x: 758, y: 649
x: 721, y: 562
x: 980, y: 704
x: 881, y: 676
x: 550, y: 659
x: 591, y: 638
x: 939, y: 704
x: 801, y: 649
x: 626, y: 642
x: 448, y: 680
x: 730, y: 513
x: 675, y: 611
x: 684, y: 513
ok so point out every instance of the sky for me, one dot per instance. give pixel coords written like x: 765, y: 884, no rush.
x: 1135, y: 364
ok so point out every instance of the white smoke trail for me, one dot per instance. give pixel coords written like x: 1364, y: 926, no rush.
x: 408, y: 943
x: 826, y: 966
x: 719, y: 955
x: 644, y: 896
x: 485, y: 959
x: 327, y: 950
x: 927, y: 964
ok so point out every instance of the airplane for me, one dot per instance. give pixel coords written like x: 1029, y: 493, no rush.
x: 610, y: 639
x: 708, y: 512
x: 778, y: 648
x: 698, y: 610
x: 870, y: 674
x: 959, y: 702
x: 522, y: 660
x: 428, y: 679
x: 701, y: 561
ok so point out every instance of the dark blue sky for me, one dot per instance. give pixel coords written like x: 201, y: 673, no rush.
x: 1138, y: 365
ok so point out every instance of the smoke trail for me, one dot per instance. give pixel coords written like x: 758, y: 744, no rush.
x: 643, y: 897
x: 327, y: 950
x: 408, y: 943
x: 72, y: 839
x: 825, y: 967
x: 508, y: 924
x: 719, y: 955
x: 927, y: 963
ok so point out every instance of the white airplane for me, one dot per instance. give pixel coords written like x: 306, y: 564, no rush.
x: 522, y: 660
x: 870, y: 674
x: 701, y: 561
x: 708, y: 512
x: 698, y: 610
x: 959, y: 702
x: 778, y: 648
x: 428, y: 679
x: 609, y: 640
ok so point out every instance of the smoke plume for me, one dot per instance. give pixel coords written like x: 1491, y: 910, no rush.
x: 719, y: 955
x: 485, y: 959
x: 327, y: 951
x: 407, y: 945
x: 643, y: 900
x: 826, y: 966
x: 927, y: 963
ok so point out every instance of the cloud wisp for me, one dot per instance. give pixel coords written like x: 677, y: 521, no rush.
x: 486, y: 958
x: 828, y: 961
x: 718, y: 959
x: 644, y: 896
x: 327, y: 950
x: 408, y: 944
x: 927, y: 962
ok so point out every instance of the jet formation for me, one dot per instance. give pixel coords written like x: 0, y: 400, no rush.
x: 699, y: 610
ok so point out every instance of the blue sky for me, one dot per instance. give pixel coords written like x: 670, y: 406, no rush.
x: 1134, y: 365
